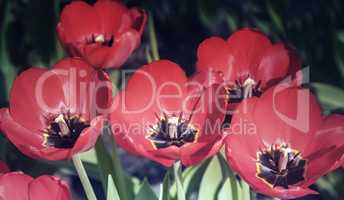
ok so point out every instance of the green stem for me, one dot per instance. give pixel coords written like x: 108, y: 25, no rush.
x: 152, y: 38
x: 109, y: 163
x: 84, y: 178
x: 177, y: 179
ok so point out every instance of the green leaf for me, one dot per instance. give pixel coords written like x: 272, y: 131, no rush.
x: 245, y: 191
x: 89, y: 157
x: 275, y: 17
x: 146, y: 192
x: 340, y: 36
x: 211, y: 180
x: 330, y: 97
x: 179, y: 182
x: 112, y: 193
x: 109, y: 163
x: 234, y: 184
x: 207, y: 10
x: 226, y: 191
x: 232, y: 22
x: 192, y: 177
x: 153, y: 39
x: 165, y: 187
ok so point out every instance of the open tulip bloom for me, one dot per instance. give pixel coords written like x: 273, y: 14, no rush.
x: 52, y: 112
x: 250, y: 63
x: 280, y: 143
x: 104, y: 34
x: 19, y: 186
x: 166, y: 117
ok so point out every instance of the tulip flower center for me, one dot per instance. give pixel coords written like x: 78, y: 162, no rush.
x: 280, y: 166
x: 64, y: 130
x: 101, y: 39
x: 172, y: 130
x: 247, y: 89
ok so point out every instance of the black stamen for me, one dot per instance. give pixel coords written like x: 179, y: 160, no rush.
x: 54, y: 136
x: 172, y: 130
x: 268, y: 168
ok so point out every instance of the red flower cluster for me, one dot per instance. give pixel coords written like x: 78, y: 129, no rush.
x: 277, y: 140
x: 165, y: 116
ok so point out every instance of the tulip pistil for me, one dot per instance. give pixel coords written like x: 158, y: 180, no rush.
x: 280, y: 166
x: 172, y: 130
x: 63, y: 130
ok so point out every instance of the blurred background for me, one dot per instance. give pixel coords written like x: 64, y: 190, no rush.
x: 314, y: 27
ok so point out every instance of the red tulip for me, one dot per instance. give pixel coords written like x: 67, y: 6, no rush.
x: 249, y: 61
x: 52, y: 113
x: 18, y: 186
x: 3, y: 168
x: 280, y: 144
x: 166, y: 117
x: 104, y: 34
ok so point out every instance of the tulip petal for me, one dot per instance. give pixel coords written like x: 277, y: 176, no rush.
x: 110, y: 15
x: 11, y: 182
x: 31, y: 104
x: 3, y: 167
x: 214, y: 54
x: 247, y: 47
x: 78, y: 22
x: 44, y: 186
x: 273, y: 65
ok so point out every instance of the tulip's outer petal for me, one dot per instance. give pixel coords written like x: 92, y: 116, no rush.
x: 49, y: 186
x: 326, y: 148
x: 207, y: 109
x: 204, y: 79
x: 203, y: 153
x: 89, y: 136
x: 110, y: 15
x: 152, y: 88
x: 243, y: 135
x: 291, y: 193
x: 293, y: 116
x: 3, y: 167
x: 105, y: 57
x: 103, y: 86
x: 14, y: 186
x: 30, y: 104
x: 78, y: 22
x: 139, y: 19
x: 29, y: 142
x: 295, y: 61
x: 273, y: 65
x: 85, y: 89
x: 243, y: 142
x: 247, y: 48
x: 18, y: 134
x: 214, y: 54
